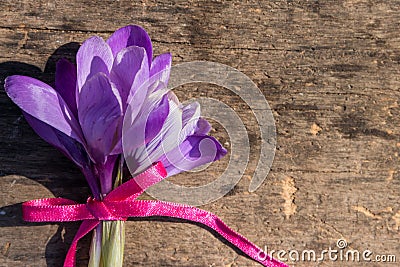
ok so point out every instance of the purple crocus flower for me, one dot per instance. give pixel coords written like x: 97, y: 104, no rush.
x: 116, y: 87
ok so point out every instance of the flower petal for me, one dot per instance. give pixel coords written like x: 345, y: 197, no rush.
x: 166, y: 139
x: 147, y: 124
x: 156, y: 119
x: 192, y: 123
x: 67, y: 145
x: 202, y: 127
x: 65, y: 83
x: 130, y: 70
x: 42, y: 102
x: 160, y: 63
x: 195, y: 151
x: 190, y: 116
x: 93, y: 56
x: 105, y: 173
x: 100, y: 115
x: 160, y: 70
x: 128, y: 36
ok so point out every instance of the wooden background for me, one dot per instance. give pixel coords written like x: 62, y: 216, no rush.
x: 330, y: 72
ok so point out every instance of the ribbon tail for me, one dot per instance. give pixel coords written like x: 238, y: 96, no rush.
x: 147, y: 208
x: 84, y: 229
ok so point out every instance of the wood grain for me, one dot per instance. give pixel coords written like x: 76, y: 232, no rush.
x: 330, y: 72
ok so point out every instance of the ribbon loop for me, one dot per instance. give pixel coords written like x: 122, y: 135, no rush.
x: 100, y: 210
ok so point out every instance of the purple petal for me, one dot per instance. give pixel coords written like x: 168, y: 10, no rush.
x: 117, y: 148
x: 93, y: 56
x: 160, y: 63
x: 131, y: 35
x: 44, y: 103
x: 130, y: 70
x: 190, y: 116
x: 195, y: 151
x: 167, y: 139
x: 192, y: 123
x: 190, y: 113
x: 160, y: 70
x: 105, y: 171
x: 136, y: 99
x: 65, y: 83
x: 67, y: 145
x: 202, y: 127
x: 156, y: 119
x: 148, y: 124
x: 130, y: 115
x: 100, y: 115
x: 93, y: 181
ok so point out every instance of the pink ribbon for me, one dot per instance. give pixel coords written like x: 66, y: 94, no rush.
x: 121, y: 203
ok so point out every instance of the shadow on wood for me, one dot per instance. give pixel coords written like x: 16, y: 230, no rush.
x: 28, y: 159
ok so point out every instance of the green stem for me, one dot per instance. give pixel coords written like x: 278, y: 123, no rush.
x: 112, y: 245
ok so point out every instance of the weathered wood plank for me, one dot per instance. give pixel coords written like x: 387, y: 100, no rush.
x: 330, y: 72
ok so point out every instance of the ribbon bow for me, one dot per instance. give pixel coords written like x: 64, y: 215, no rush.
x: 121, y: 203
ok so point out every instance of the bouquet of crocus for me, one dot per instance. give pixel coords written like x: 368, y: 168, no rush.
x: 112, y: 107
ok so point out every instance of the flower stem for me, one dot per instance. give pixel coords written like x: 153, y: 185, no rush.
x: 95, y: 247
x: 108, y: 241
x: 107, y: 248
x: 112, y: 245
